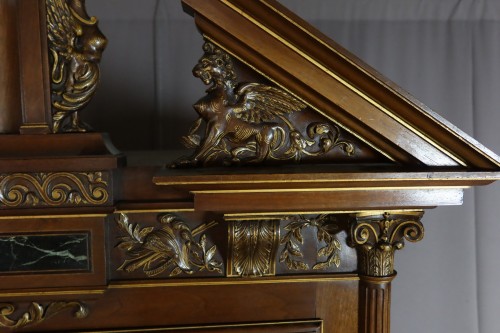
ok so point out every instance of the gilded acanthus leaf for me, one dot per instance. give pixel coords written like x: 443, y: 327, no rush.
x: 254, y: 247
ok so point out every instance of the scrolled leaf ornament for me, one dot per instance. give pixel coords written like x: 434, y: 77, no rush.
x: 54, y: 189
x: 37, y: 313
x: 170, y: 248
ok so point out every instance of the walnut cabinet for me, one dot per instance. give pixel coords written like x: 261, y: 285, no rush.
x: 307, y: 173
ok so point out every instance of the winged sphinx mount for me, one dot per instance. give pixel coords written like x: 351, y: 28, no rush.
x: 76, y: 45
x: 248, y: 123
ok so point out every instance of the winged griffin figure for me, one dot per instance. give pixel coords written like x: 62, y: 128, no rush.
x: 76, y: 45
x: 249, y: 122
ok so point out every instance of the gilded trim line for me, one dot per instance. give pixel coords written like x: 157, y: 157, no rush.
x: 331, y: 189
x: 235, y: 281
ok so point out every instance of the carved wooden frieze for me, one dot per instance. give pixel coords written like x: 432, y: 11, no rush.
x: 55, y: 189
x: 287, y: 245
x: 191, y: 244
x: 248, y: 123
x: 37, y: 313
x: 76, y: 45
x: 378, y: 236
x: 172, y: 248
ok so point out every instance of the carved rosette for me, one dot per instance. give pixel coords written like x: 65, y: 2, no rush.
x: 171, y: 248
x: 252, y: 122
x: 25, y: 190
x: 253, y: 246
x: 377, y: 237
x: 76, y: 45
x: 292, y: 254
x: 37, y: 313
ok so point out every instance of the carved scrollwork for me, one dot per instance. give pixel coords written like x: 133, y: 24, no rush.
x: 250, y: 122
x: 54, y: 189
x: 293, y: 240
x: 253, y: 247
x: 76, y: 45
x: 172, y: 247
x: 37, y: 313
x: 378, y: 236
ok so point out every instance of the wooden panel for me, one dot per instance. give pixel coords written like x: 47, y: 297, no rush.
x: 10, y: 100
x: 34, y: 67
x: 172, y: 304
x: 22, y: 232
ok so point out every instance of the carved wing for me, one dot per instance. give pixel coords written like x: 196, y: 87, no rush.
x: 63, y: 29
x: 260, y: 102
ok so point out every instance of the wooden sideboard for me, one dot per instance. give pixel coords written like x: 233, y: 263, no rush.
x: 308, y: 171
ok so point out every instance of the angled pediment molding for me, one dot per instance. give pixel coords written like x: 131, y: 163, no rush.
x: 295, y: 56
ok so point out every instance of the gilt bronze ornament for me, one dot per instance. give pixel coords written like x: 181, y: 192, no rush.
x: 37, y: 313
x: 249, y: 123
x: 170, y: 248
x: 76, y: 45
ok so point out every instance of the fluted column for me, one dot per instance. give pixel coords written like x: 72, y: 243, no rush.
x: 375, y: 304
x: 376, y: 238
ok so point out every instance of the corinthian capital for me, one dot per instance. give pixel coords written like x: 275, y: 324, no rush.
x: 377, y: 236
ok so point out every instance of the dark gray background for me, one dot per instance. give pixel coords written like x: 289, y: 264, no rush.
x: 444, y: 52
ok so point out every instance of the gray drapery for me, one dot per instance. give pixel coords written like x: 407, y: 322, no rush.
x: 446, y: 53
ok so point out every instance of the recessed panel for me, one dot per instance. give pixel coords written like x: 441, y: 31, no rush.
x: 44, y: 252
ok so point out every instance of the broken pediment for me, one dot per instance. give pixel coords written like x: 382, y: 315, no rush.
x: 386, y: 150
x: 352, y: 105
